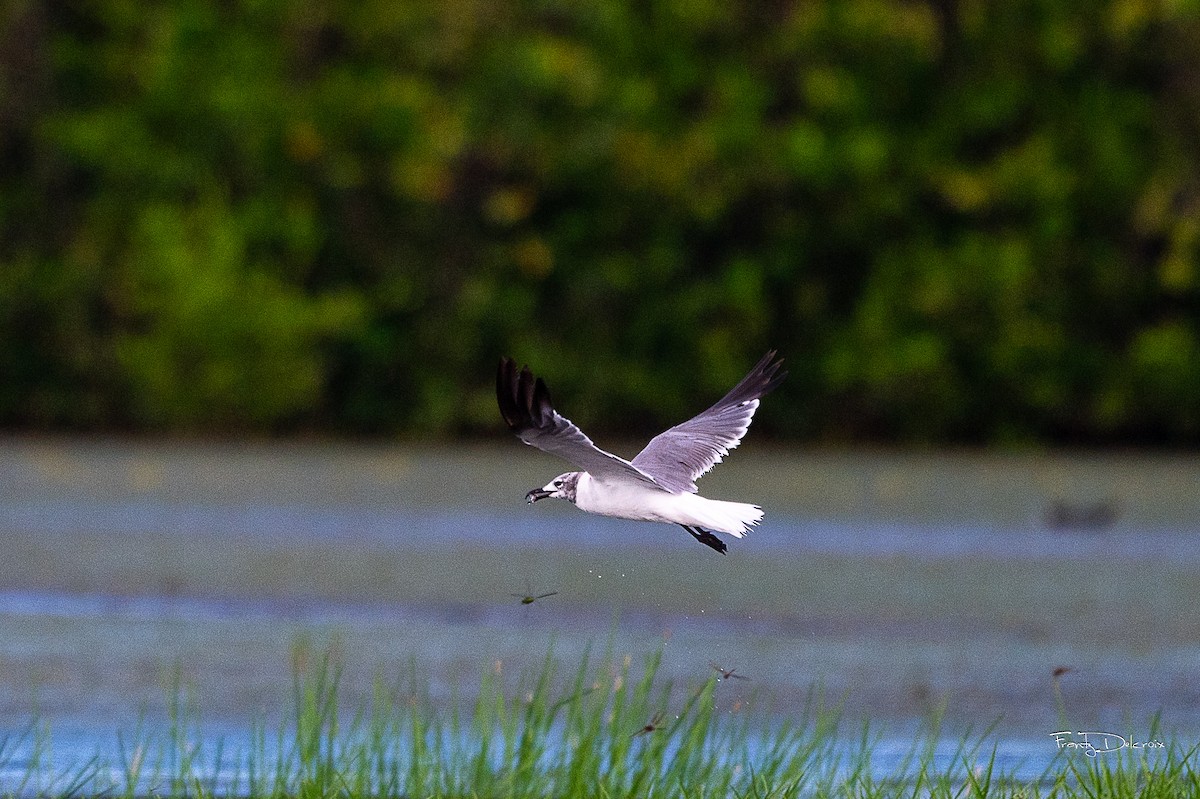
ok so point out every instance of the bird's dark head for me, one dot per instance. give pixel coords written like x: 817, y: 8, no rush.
x: 561, y: 487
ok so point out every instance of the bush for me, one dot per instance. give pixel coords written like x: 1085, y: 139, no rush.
x: 974, y: 223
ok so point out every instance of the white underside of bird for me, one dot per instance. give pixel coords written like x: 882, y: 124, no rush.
x: 624, y: 500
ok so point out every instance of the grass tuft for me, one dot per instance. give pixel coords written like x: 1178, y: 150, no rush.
x: 609, y: 728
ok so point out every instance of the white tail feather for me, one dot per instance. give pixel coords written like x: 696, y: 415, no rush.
x: 733, y: 518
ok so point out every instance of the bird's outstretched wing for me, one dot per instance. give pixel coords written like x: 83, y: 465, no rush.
x: 525, y: 405
x: 676, y: 457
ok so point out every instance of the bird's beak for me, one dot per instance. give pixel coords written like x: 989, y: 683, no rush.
x: 536, y: 494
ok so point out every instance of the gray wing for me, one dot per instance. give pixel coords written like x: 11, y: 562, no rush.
x: 676, y: 457
x: 525, y: 405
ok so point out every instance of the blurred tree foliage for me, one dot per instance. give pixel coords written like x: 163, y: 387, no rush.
x: 960, y: 221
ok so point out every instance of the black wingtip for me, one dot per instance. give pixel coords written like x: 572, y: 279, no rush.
x: 540, y: 409
x: 761, y: 380
x: 523, y: 399
x: 769, y: 367
x: 506, y: 392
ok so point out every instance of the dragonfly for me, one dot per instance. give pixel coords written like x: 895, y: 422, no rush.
x: 528, y: 598
x: 652, y: 726
x: 727, y: 674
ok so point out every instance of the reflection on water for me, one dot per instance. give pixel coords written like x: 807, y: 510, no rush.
x: 897, y: 582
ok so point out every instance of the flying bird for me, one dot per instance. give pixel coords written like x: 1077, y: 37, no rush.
x: 659, y: 484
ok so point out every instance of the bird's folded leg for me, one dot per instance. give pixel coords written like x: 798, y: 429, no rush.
x: 706, y: 537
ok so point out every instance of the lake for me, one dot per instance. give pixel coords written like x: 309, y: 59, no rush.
x: 897, y: 582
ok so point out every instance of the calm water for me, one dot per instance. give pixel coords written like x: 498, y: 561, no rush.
x: 897, y: 582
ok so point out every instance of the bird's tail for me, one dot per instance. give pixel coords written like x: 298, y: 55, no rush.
x: 734, y: 518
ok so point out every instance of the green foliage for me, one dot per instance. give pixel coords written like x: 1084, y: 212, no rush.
x: 961, y: 222
x: 210, y: 341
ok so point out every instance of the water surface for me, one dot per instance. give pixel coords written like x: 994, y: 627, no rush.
x: 897, y: 582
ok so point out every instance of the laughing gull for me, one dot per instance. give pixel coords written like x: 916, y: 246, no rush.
x: 659, y: 484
